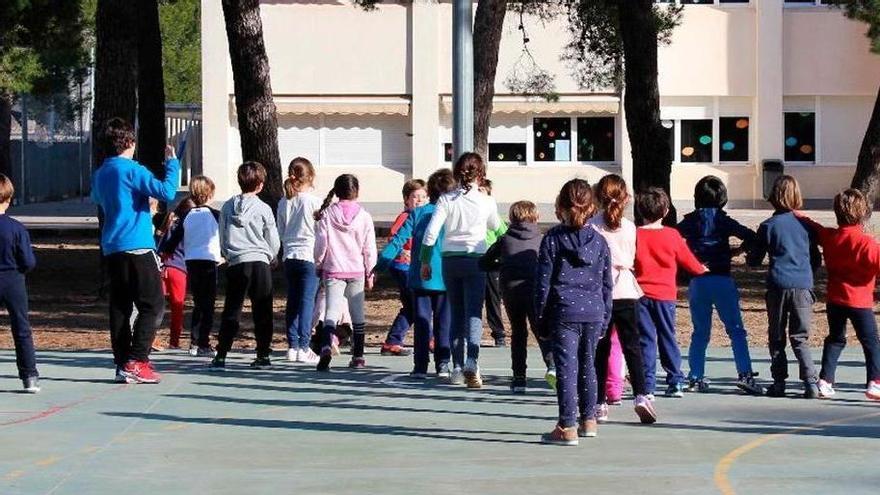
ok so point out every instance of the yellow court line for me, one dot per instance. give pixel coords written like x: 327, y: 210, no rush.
x: 722, y: 481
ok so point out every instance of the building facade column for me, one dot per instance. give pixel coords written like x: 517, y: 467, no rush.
x: 769, y: 121
x: 424, y: 67
x: 216, y: 157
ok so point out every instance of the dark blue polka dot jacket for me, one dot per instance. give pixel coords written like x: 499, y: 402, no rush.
x: 574, y: 277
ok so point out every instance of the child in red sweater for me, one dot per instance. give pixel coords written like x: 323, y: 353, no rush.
x: 659, y: 252
x: 852, y: 258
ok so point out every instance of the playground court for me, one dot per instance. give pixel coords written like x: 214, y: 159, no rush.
x: 292, y: 430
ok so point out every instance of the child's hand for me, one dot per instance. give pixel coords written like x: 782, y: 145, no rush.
x: 169, y: 152
x: 426, y: 272
x: 406, y: 257
x: 705, y: 269
x: 370, y: 282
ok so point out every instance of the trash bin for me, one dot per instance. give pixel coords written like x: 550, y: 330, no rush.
x: 771, y: 170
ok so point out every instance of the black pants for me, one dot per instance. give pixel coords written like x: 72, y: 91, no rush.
x: 135, y: 281
x: 493, y: 304
x: 866, y: 331
x: 202, y: 279
x: 624, y: 316
x: 791, y: 308
x: 254, y: 279
x: 13, y: 296
x: 519, y: 298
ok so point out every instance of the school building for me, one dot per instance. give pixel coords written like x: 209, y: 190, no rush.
x: 370, y: 93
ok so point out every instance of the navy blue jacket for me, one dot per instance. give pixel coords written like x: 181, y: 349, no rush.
x: 793, y: 251
x: 708, y: 232
x: 16, y: 253
x: 573, y: 282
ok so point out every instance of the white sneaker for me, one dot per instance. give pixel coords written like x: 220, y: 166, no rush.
x: 308, y: 356
x: 825, y: 389
x: 293, y: 355
x: 193, y: 351
x: 873, y: 390
x: 456, y: 377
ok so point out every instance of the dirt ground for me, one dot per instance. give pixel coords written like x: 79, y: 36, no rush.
x: 68, y: 314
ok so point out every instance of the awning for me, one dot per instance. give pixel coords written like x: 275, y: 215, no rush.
x: 340, y: 105
x: 579, y: 104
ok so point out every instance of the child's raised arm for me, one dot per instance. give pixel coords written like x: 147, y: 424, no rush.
x: 395, y: 243
x: 147, y: 184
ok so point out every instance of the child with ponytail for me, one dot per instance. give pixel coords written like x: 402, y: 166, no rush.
x: 620, y: 234
x: 345, y: 254
x: 466, y: 214
x: 296, y: 228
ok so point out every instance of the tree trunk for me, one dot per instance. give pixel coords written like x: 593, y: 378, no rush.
x: 115, y: 67
x: 150, y: 89
x: 5, y: 134
x: 257, y: 119
x: 650, y: 147
x: 488, y: 25
x: 867, y: 176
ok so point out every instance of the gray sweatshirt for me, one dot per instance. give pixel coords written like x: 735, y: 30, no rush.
x: 247, y: 231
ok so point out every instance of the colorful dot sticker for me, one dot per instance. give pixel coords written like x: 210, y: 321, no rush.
x: 687, y: 151
x: 742, y: 123
x: 728, y: 146
x: 704, y: 140
x: 538, y: 134
x: 791, y: 141
x: 806, y: 149
x: 667, y: 124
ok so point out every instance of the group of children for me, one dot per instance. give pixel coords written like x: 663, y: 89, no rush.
x: 595, y: 290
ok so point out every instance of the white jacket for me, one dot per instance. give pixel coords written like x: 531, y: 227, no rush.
x: 467, y: 217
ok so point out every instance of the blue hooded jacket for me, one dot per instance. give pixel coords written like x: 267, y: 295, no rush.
x: 414, y: 227
x: 708, y: 232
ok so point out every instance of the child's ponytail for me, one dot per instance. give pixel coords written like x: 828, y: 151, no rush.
x: 300, y: 173
x: 345, y: 187
x: 329, y: 199
x: 612, y: 197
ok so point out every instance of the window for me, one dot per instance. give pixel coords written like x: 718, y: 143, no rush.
x: 696, y: 141
x: 552, y: 139
x: 800, y: 137
x: 595, y: 139
x: 734, y: 135
x: 507, y: 152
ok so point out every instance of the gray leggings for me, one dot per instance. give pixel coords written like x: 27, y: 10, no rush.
x: 338, y: 292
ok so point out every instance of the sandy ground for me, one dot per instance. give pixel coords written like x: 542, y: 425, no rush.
x: 67, y: 312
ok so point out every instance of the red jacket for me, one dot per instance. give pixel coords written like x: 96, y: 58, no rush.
x: 659, y: 253
x: 852, y: 257
x: 401, y: 262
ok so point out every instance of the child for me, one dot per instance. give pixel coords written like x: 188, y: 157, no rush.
x: 493, y: 280
x: 708, y: 230
x: 620, y: 234
x: 852, y: 257
x: 16, y: 259
x: 466, y: 214
x: 573, y: 299
x: 296, y: 227
x: 121, y: 187
x: 201, y: 246
x: 345, y: 254
x: 174, y: 269
x: 659, y: 252
x: 414, y: 195
x: 249, y: 243
x: 429, y: 300
x: 793, y: 259
x: 515, y: 257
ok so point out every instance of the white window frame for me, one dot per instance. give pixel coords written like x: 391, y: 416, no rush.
x: 801, y: 5
x: 816, y: 111
x: 714, y: 114
x: 714, y: 3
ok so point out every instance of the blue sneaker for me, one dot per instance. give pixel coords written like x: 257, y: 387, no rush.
x: 676, y: 391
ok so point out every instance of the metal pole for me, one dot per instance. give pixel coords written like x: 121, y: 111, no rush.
x: 79, y: 149
x: 462, y: 77
x: 22, y: 198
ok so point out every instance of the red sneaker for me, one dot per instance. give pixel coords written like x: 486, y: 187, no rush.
x: 394, y: 350
x: 141, y: 372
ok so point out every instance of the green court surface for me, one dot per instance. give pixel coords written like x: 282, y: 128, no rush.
x: 292, y: 430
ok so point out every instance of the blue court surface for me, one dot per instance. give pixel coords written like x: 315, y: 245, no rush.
x: 292, y: 430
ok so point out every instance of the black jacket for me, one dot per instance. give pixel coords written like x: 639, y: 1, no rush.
x: 515, y: 253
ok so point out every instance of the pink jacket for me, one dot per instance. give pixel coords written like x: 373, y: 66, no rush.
x: 345, y: 241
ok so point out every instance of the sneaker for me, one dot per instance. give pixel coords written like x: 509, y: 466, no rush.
x: 418, y: 375
x: 826, y: 390
x: 261, y: 363
x: 613, y: 401
x: 588, y: 428
x: 140, y: 372
x: 747, y: 384
x: 206, y: 352
x: 650, y: 397
x: 193, y: 351
x: 217, y: 364
x: 698, y: 385
x: 811, y: 390
x: 873, y: 390
x: 675, y: 390
x: 307, y: 356
x: 518, y: 385
x: 550, y: 378
x: 157, y: 346
x: 500, y: 342
x: 334, y: 345
x: 776, y: 390
x: 293, y: 355
x: 443, y: 371
x: 456, y: 377
x: 324, y: 361
x: 394, y: 350
x: 472, y: 376
x: 602, y: 413
x: 120, y: 376
x: 357, y: 363
x: 644, y: 409
x: 31, y: 385
x: 561, y: 436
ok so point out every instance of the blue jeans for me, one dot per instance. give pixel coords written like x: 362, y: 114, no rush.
x: 574, y: 352
x: 866, y: 330
x: 656, y: 320
x: 404, y: 319
x: 719, y: 292
x: 465, y: 289
x: 13, y: 295
x: 431, y: 313
x: 302, y: 287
